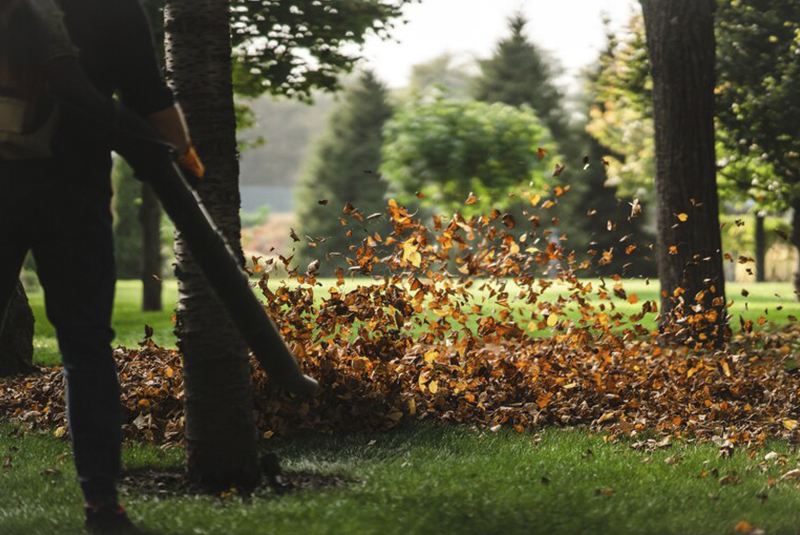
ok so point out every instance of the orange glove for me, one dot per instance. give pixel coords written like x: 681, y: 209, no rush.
x: 191, y: 162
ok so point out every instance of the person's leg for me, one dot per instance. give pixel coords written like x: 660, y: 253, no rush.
x: 75, y: 263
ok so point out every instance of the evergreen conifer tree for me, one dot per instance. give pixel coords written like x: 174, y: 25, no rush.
x: 519, y: 73
x: 344, y: 169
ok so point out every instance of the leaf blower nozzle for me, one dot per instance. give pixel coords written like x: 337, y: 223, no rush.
x: 227, y: 278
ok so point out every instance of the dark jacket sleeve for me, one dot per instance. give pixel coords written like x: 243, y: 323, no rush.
x: 140, y: 82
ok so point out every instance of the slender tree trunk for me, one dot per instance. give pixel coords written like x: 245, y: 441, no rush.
x: 796, y: 243
x: 680, y: 45
x: 16, y: 340
x: 150, y: 218
x: 220, y: 429
x: 761, y: 249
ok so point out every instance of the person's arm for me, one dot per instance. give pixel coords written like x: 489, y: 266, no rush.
x: 142, y: 86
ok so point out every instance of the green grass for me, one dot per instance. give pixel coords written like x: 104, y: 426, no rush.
x: 775, y: 301
x: 128, y: 320
x: 425, y: 479
x: 437, y: 480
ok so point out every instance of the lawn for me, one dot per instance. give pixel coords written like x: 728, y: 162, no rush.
x: 428, y: 478
x: 436, y: 480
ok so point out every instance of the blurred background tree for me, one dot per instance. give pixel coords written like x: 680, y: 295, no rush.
x: 748, y: 178
x: 344, y: 169
x: 440, y: 150
x: 758, y: 45
x: 443, y: 73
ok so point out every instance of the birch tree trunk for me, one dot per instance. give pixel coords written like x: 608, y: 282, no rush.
x: 220, y: 429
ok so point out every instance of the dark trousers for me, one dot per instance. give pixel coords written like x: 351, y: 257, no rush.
x: 67, y: 224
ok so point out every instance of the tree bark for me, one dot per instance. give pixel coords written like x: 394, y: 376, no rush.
x: 220, y: 428
x: 761, y: 249
x: 16, y: 340
x: 150, y: 218
x: 796, y: 243
x: 680, y: 45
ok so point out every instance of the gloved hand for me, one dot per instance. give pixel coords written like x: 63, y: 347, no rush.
x: 191, y: 162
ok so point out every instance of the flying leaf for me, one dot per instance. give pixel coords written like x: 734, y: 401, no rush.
x: 411, y: 252
x: 636, y: 209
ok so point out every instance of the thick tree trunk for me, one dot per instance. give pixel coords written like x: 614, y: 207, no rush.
x: 150, y: 218
x: 220, y: 429
x: 761, y: 249
x: 680, y: 44
x: 16, y: 340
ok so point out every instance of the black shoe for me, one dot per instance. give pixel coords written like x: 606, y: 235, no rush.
x: 109, y: 520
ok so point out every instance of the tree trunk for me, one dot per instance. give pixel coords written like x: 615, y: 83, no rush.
x: 761, y: 249
x: 796, y: 243
x: 150, y: 218
x: 16, y: 340
x: 680, y: 45
x: 220, y: 429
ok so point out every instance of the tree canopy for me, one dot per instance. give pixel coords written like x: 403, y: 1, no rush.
x: 290, y: 47
x: 439, y: 151
x: 622, y: 114
x: 758, y: 59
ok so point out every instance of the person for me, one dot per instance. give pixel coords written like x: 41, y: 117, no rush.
x: 55, y: 198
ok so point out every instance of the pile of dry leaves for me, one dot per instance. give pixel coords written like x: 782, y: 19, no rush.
x: 447, y: 336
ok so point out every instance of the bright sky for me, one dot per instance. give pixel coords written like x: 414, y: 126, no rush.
x: 572, y: 30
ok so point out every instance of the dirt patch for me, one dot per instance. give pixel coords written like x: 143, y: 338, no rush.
x: 174, y: 482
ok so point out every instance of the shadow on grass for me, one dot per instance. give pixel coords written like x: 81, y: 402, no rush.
x: 164, y: 482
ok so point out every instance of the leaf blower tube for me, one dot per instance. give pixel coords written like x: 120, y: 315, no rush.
x: 153, y: 160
